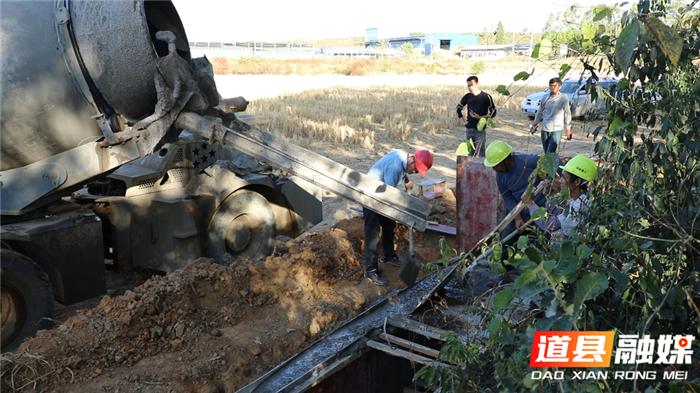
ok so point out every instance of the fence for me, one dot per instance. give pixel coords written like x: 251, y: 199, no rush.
x: 283, y: 50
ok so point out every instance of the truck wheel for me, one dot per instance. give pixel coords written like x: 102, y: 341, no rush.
x: 27, y: 299
x: 243, y: 226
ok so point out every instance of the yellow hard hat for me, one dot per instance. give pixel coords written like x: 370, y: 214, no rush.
x: 496, y: 152
x: 581, y: 166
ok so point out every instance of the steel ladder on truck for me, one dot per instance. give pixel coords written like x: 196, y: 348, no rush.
x: 314, y: 168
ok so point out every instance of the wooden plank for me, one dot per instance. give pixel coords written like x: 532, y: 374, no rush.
x: 405, y: 354
x: 446, y: 229
x: 410, y: 345
x: 321, y: 373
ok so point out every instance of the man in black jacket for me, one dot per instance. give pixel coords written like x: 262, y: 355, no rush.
x: 479, y: 105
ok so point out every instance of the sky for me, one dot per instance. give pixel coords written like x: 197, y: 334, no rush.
x: 284, y: 20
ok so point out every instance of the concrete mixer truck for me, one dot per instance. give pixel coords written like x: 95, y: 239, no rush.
x: 112, y: 150
x: 94, y: 168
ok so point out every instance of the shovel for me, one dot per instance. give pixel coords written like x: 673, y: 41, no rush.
x: 409, y: 266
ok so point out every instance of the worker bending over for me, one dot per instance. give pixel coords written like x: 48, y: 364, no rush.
x: 513, y: 172
x: 391, y: 169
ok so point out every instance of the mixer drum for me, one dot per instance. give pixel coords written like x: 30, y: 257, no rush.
x: 64, y: 65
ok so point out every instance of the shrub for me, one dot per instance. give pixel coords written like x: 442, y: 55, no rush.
x: 477, y: 67
x: 358, y: 68
x: 406, y: 50
x: 220, y: 65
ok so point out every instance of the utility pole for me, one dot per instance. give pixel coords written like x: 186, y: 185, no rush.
x: 532, y: 39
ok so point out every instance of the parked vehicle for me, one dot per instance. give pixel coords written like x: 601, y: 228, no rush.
x: 579, y: 94
x: 531, y: 104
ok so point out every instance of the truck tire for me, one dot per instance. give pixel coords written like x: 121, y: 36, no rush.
x: 27, y: 299
x: 243, y: 226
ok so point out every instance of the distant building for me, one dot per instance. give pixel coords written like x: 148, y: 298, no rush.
x: 285, y: 50
x: 371, y: 52
x: 494, y: 51
x: 427, y: 42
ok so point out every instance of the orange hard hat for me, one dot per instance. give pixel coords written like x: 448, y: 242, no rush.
x: 424, y: 160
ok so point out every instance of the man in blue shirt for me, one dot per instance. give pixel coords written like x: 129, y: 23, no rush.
x: 513, y: 172
x: 392, y: 170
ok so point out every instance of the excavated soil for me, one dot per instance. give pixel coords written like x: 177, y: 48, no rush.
x: 215, y: 327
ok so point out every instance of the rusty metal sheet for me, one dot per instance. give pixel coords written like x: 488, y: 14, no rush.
x: 477, y: 201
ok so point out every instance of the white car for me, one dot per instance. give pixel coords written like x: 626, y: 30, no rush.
x: 579, y: 97
x: 531, y: 104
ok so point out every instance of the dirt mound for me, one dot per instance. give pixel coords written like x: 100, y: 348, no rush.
x: 211, y: 327
x: 444, y: 209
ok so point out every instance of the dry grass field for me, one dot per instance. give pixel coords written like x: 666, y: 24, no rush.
x: 356, y: 120
x: 442, y: 62
x: 360, y: 116
x: 447, y: 65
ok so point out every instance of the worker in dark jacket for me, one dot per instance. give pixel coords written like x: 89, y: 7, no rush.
x: 512, y: 177
x: 479, y: 105
x: 392, y: 170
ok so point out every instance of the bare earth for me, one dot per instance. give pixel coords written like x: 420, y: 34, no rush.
x: 212, y: 328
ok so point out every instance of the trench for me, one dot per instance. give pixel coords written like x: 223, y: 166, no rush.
x: 381, y: 349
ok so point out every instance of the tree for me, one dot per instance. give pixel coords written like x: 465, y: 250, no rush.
x: 484, y: 37
x: 549, y: 25
x: 656, y: 232
x: 635, y: 266
x: 406, y: 50
x: 500, y: 34
x: 566, y: 27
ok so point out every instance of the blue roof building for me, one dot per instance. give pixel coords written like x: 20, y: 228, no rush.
x: 446, y: 41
